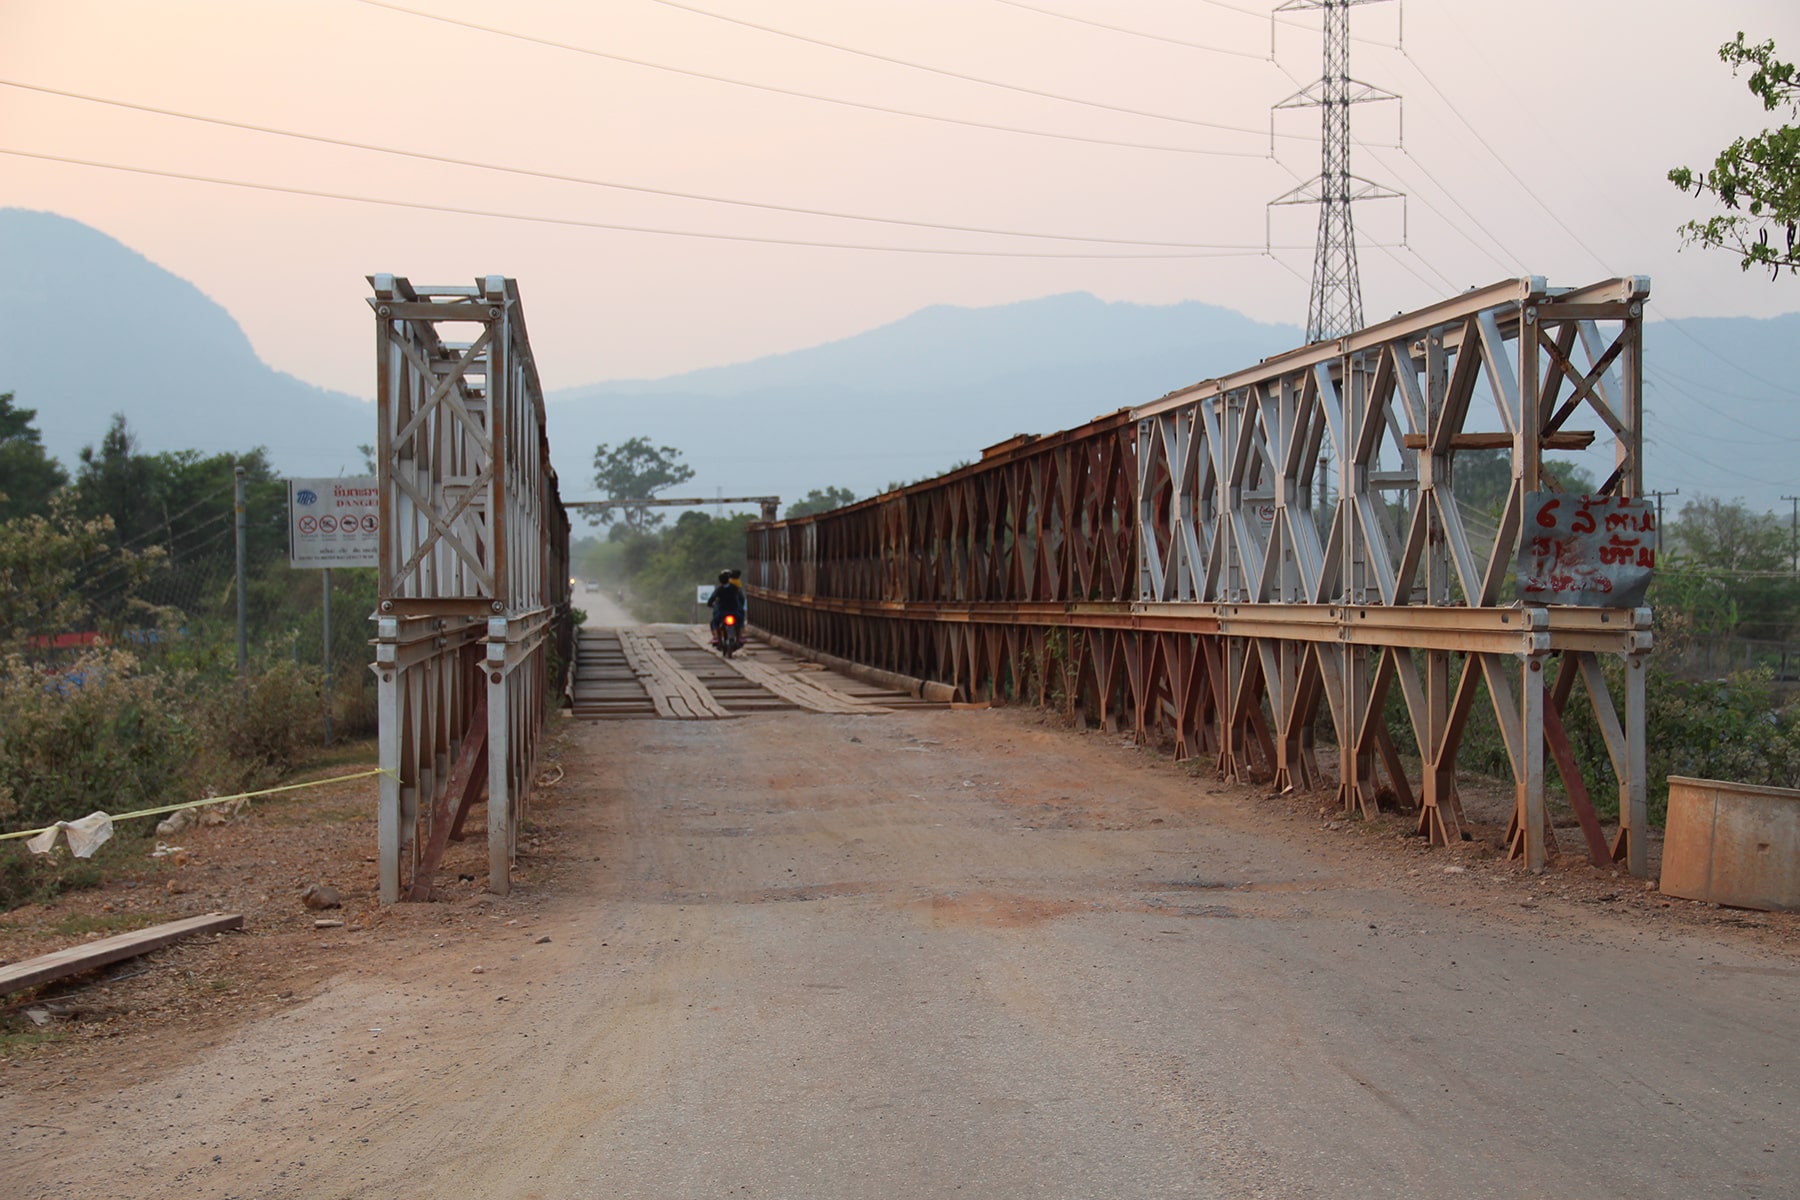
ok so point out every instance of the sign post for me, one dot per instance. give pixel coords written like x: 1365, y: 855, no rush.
x: 333, y: 523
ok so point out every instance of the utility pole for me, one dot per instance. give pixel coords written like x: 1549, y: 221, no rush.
x: 1336, y: 304
x: 243, y: 604
x: 1794, y: 534
x: 1657, y: 496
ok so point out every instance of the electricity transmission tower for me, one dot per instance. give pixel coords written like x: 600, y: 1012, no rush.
x: 1336, y: 305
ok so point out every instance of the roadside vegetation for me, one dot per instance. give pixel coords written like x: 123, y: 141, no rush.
x: 119, y: 687
x: 656, y: 563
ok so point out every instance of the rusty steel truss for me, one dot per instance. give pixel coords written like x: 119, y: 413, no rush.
x: 1257, y: 564
x: 473, y: 620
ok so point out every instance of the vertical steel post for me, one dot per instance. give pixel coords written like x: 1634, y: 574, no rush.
x: 1530, y: 794
x: 326, y: 638
x: 499, y: 798
x: 389, y: 694
x: 1634, y: 798
x: 243, y: 603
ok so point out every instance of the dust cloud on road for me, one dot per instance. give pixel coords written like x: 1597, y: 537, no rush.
x: 963, y: 953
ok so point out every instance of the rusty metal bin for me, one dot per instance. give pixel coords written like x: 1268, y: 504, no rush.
x: 1732, y: 843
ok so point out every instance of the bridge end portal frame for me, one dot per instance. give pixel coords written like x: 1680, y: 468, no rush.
x: 1189, y: 570
x: 473, y: 612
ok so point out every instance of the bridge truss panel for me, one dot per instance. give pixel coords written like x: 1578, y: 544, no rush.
x: 1189, y: 570
x: 473, y: 621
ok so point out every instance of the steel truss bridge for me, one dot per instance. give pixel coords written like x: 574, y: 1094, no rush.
x: 1184, y: 570
x: 472, y: 627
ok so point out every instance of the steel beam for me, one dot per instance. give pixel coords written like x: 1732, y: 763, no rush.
x: 1186, y: 563
x: 474, y: 558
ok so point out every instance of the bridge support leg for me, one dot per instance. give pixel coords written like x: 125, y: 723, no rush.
x: 388, y: 696
x: 500, y: 800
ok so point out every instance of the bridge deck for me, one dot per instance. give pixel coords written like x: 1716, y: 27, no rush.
x: 671, y: 673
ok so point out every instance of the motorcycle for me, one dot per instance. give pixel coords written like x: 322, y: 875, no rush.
x: 731, y: 636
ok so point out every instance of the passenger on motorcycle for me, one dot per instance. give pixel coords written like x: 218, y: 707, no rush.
x: 737, y: 581
x: 728, y: 597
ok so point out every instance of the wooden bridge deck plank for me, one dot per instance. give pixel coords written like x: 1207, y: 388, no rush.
x: 73, y: 960
x: 816, y: 695
x: 676, y: 693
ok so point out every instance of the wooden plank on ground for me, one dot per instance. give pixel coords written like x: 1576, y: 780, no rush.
x: 807, y: 691
x: 675, y: 692
x: 73, y: 960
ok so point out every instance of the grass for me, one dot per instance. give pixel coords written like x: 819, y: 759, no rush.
x: 14, y: 1040
x: 82, y: 924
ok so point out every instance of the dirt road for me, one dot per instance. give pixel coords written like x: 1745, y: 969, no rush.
x: 962, y: 953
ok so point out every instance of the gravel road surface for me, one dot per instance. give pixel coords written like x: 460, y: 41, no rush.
x: 962, y: 953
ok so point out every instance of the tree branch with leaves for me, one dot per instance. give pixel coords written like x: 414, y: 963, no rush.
x: 1756, y: 179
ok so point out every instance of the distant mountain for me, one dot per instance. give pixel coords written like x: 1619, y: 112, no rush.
x: 910, y: 398
x: 90, y: 327
x: 914, y: 397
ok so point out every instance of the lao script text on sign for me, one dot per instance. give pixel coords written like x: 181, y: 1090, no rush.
x: 334, y: 522
x: 1596, y: 551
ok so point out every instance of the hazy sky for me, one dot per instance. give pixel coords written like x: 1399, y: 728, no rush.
x: 1537, y: 135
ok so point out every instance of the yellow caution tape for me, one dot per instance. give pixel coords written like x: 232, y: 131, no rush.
x: 169, y: 808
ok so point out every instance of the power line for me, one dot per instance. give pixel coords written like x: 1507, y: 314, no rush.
x: 1517, y: 263
x: 1273, y: 19
x: 1675, y: 324
x: 795, y: 93
x: 1138, y: 33
x: 557, y: 177
x: 459, y: 210
x: 1507, y: 167
x: 1402, y: 264
x: 1718, y: 391
x: 946, y: 73
x: 1653, y: 372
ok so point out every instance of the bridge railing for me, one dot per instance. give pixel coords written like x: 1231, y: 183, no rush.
x: 472, y: 622
x: 1255, y: 560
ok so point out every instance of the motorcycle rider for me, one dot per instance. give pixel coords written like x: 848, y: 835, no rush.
x: 728, y: 597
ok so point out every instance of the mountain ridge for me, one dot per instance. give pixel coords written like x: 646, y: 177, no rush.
x: 91, y: 327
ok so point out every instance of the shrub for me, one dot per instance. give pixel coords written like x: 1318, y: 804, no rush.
x: 265, y: 724
x: 95, y: 734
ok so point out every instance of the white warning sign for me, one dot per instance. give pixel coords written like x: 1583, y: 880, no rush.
x: 334, y: 522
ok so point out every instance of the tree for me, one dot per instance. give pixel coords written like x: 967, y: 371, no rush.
x: 115, y: 481
x: 1729, y: 570
x: 28, y: 476
x: 636, y: 470
x: 818, y: 501
x: 44, y: 561
x: 1756, y: 179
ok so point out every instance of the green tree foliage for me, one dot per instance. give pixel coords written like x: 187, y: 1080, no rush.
x: 43, y: 563
x: 1482, y: 478
x: 821, y: 500
x: 182, y: 501
x: 1728, y: 570
x: 664, y: 570
x: 28, y: 476
x: 1756, y: 179
x: 636, y: 470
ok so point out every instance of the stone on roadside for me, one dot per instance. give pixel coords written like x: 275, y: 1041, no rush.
x: 320, y: 895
